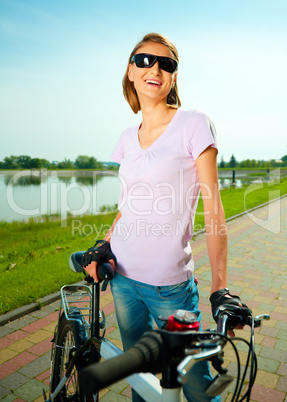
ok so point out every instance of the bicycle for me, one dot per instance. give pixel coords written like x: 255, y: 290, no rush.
x: 78, y: 375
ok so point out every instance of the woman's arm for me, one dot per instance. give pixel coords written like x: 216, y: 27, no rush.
x: 109, y: 234
x: 92, y: 267
x: 215, y: 225
x: 216, y: 230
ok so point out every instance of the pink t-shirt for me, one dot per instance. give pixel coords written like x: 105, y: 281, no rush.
x: 159, y: 195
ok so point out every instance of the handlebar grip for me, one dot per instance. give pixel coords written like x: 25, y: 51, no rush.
x: 140, y: 358
x: 105, y: 271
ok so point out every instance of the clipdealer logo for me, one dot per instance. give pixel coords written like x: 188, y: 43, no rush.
x: 272, y: 222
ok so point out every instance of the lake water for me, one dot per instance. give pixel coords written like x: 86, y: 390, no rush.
x: 28, y: 194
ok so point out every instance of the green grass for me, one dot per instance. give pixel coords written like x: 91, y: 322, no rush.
x: 233, y: 199
x: 34, y: 256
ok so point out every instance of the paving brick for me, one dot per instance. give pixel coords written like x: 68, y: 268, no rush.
x: 269, y: 331
x: 3, y: 392
x: 275, y: 290
x: 115, y: 335
x: 109, y: 308
x: 5, y: 331
x: 268, y: 364
x: 46, y: 310
x: 38, y: 336
x: 278, y: 316
x: 112, y: 396
x: 232, y: 370
x: 21, y: 345
x: 282, y: 334
x: 5, y: 342
x: 270, y: 323
x: 261, y: 299
x: 42, y: 347
x: 13, y: 381
x: 21, y: 322
x: 281, y: 344
x: 266, y: 307
x: 6, y: 354
x: 35, y: 326
x: 17, y: 335
x: 271, y: 295
x: 274, y: 354
x: 281, y: 325
x: 268, y: 341
x: 119, y: 386
x: 282, y: 384
x: 24, y: 358
x: 36, y: 367
x: 53, y: 316
x: 266, y: 379
x: 8, y: 368
x: 279, y: 309
x: 44, y: 375
x: 50, y: 327
x: 282, y: 369
x: 31, y: 390
x: 127, y: 392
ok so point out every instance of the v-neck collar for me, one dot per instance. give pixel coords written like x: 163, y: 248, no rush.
x: 156, y: 141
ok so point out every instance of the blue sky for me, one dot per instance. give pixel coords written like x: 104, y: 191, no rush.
x: 62, y: 62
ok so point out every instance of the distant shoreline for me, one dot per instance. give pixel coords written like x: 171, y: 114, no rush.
x: 60, y: 172
x: 222, y: 172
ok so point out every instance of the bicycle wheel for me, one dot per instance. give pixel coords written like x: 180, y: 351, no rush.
x: 70, y: 337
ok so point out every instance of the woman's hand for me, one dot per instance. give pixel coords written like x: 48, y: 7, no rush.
x: 221, y: 299
x: 92, y: 270
x: 101, y: 252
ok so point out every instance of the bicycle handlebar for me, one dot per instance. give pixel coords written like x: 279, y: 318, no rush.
x: 104, y: 270
x: 152, y: 353
x: 140, y: 358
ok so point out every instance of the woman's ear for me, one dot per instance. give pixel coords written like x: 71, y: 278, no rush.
x: 130, y: 73
x: 174, y: 79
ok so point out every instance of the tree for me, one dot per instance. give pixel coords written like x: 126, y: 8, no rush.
x: 65, y: 164
x: 38, y: 163
x: 23, y: 161
x: 87, y: 162
x: 10, y: 162
x: 222, y: 163
x: 232, y: 162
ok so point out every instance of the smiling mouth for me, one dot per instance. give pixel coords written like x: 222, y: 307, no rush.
x: 153, y: 82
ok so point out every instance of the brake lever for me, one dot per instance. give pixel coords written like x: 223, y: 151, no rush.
x: 189, y: 361
x: 259, y: 318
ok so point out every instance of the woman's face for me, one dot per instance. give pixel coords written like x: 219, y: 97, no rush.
x: 152, y: 82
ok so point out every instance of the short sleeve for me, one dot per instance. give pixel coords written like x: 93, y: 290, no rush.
x: 202, y: 134
x: 118, y: 152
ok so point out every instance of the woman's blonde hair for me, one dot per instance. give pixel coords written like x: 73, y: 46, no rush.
x: 128, y: 86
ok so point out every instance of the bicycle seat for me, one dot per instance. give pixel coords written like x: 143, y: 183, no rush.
x: 75, y: 261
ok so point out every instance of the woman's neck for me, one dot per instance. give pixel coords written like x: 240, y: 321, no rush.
x: 155, y: 116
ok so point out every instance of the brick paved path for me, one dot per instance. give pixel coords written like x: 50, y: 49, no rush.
x: 257, y: 272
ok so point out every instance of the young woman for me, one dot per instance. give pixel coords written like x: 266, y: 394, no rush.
x: 164, y: 162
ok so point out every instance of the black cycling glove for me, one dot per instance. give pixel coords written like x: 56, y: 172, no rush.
x: 219, y: 299
x: 101, y: 252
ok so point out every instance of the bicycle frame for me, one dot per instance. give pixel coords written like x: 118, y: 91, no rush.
x: 145, y: 384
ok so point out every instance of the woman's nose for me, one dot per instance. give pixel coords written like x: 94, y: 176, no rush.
x: 155, y: 67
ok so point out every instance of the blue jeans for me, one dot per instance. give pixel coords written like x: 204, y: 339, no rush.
x: 137, y: 304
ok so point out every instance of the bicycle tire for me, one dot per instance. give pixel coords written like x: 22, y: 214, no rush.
x: 70, y: 336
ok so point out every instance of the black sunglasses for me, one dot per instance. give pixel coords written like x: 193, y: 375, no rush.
x: 145, y: 60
